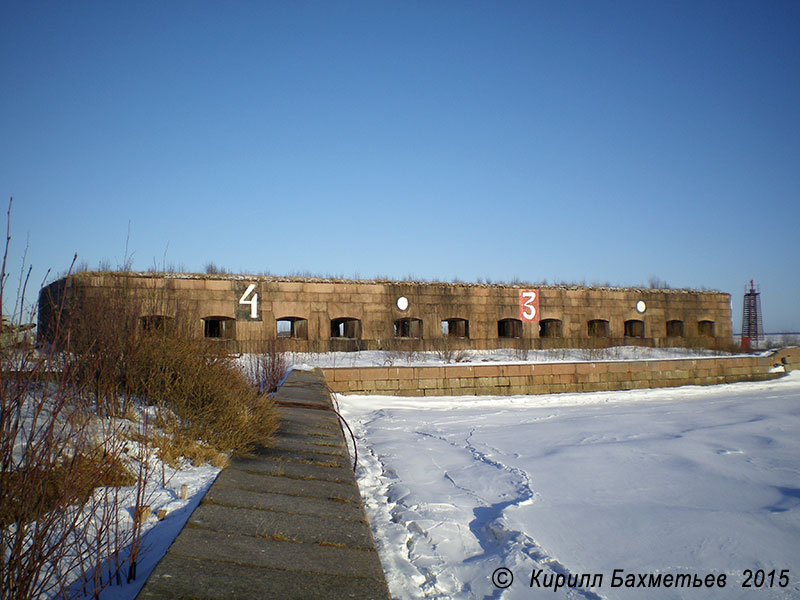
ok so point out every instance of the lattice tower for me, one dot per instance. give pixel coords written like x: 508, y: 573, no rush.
x: 752, y: 327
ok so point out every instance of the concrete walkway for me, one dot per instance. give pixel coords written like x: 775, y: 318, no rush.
x: 286, y: 522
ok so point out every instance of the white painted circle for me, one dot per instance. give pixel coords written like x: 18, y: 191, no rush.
x: 641, y: 306
x: 402, y: 303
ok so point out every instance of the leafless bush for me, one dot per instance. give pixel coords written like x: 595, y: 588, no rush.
x: 268, y: 368
x: 202, y: 396
x: 52, y: 457
x: 138, y: 507
x: 656, y: 283
x: 103, y: 333
x: 52, y: 526
x: 462, y: 355
x: 594, y: 348
x: 212, y: 269
x: 521, y: 349
x: 397, y: 350
x: 60, y: 466
x: 393, y: 352
x: 448, y: 352
x: 444, y: 350
x: 200, y: 393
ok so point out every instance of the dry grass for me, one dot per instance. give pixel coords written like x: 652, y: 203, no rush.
x: 172, y: 449
x: 55, y: 453
x: 205, y: 403
x: 205, y: 399
x: 71, y: 481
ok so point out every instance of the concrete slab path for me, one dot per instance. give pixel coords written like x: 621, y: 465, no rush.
x: 284, y: 522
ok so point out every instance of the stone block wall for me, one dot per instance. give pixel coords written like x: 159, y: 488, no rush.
x: 552, y: 378
x: 243, y: 312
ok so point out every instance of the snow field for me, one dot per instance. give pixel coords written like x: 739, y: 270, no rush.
x: 158, y: 535
x: 161, y: 492
x: 384, y: 358
x: 700, y: 480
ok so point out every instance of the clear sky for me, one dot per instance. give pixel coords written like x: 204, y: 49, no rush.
x: 577, y: 141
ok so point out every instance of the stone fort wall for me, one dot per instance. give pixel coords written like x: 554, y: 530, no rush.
x: 244, y: 313
x: 560, y: 377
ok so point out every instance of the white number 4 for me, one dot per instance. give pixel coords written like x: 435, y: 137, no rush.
x: 253, y: 302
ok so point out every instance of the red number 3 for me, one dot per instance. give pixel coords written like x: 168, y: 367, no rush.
x: 529, y: 305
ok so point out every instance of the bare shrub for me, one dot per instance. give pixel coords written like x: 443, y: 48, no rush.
x: 656, y: 283
x: 201, y: 395
x: 53, y: 456
x: 521, y: 349
x: 138, y: 507
x: 212, y: 269
x: 444, y: 350
x: 102, y: 330
x: 393, y: 352
x: 268, y: 368
x: 61, y: 466
x: 594, y: 348
x: 448, y: 353
x: 52, y: 524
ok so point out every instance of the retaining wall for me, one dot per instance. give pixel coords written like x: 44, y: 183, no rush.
x: 550, y: 378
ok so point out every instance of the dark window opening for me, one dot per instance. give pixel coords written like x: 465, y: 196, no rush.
x: 346, y: 328
x: 705, y: 328
x: 294, y: 328
x: 550, y: 328
x: 408, y: 328
x: 509, y: 328
x: 457, y: 328
x: 218, y: 327
x: 675, y: 328
x: 634, y: 328
x: 598, y: 328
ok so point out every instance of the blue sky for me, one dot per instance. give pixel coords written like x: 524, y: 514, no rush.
x: 596, y: 142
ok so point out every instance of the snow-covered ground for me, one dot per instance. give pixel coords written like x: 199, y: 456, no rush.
x: 162, y: 492
x: 157, y: 535
x: 383, y: 358
x: 693, y: 480
x: 665, y: 480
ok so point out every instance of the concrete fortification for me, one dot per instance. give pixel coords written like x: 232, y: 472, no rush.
x: 246, y: 313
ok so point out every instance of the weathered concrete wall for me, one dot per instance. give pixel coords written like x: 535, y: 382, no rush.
x: 552, y: 378
x: 315, y: 304
x: 789, y: 358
